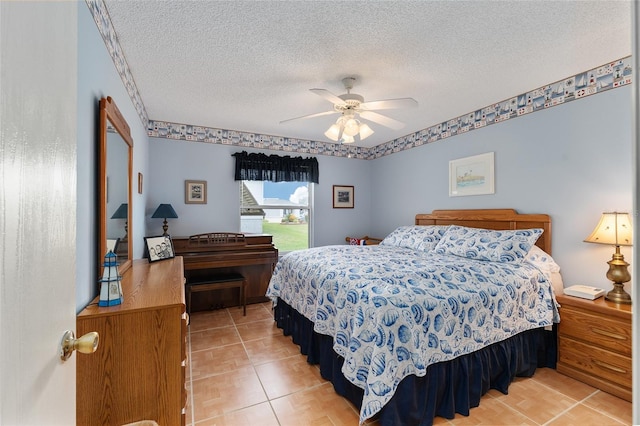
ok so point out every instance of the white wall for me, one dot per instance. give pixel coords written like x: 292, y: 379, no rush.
x: 98, y: 78
x: 172, y: 162
x: 572, y: 161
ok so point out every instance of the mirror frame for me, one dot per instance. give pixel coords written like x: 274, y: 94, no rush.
x: 109, y: 112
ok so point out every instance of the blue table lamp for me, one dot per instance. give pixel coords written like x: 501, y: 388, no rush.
x: 165, y: 211
x: 122, y: 212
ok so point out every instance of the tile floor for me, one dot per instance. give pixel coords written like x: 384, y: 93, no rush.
x: 243, y: 371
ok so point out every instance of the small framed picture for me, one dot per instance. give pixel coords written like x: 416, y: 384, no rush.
x: 139, y: 183
x: 342, y: 197
x: 158, y: 248
x: 195, y: 192
x: 471, y: 175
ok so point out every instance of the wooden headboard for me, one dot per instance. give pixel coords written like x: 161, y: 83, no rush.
x: 498, y: 219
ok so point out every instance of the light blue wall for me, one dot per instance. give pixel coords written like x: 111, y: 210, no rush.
x: 333, y: 225
x: 98, y: 78
x: 172, y: 162
x: 572, y: 162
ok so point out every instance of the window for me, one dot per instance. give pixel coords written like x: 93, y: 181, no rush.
x: 276, y: 194
x: 281, y: 209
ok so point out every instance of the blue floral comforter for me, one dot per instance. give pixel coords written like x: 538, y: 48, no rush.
x: 393, y: 311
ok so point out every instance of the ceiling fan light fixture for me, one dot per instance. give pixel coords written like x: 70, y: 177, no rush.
x: 365, y: 131
x: 352, y: 107
x: 351, y: 127
x: 333, y: 132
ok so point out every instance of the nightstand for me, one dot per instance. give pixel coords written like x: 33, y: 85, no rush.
x: 594, y: 343
x: 366, y: 240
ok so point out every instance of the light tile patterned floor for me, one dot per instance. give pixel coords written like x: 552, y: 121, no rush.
x: 243, y: 371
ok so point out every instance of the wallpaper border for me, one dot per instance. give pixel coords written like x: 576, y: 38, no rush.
x: 597, y: 80
x: 105, y: 27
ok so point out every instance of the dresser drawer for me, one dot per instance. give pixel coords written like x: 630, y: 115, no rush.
x: 608, y: 333
x: 597, y: 362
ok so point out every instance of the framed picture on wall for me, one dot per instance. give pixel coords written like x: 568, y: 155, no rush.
x: 195, y: 192
x: 139, y: 183
x: 471, y: 175
x: 342, y: 197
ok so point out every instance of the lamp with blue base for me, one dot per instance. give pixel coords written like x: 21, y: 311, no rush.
x: 110, y: 287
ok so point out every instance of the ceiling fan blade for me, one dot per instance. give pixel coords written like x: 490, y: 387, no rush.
x: 318, y: 114
x: 382, y: 119
x: 389, y: 104
x: 328, y: 96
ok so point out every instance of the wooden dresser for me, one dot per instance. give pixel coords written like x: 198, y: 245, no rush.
x: 594, y: 343
x: 138, y: 371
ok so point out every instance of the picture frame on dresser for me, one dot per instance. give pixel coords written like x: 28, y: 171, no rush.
x: 158, y: 248
x: 112, y: 244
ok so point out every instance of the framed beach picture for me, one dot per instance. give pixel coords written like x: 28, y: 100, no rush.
x: 195, y: 192
x: 342, y: 197
x: 472, y: 175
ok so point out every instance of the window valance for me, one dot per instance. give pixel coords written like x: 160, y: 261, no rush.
x: 275, y: 168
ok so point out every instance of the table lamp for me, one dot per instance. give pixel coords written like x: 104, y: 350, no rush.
x: 615, y: 229
x: 110, y: 284
x: 122, y: 212
x: 165, y: 211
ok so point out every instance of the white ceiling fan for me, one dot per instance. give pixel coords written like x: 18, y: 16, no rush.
x: 351, y: 107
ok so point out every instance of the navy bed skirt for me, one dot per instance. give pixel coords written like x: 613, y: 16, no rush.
x: 449, y: 387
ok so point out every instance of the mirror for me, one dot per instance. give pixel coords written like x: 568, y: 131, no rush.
x: 116, y: 164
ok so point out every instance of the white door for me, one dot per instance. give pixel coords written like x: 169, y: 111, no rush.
x: 38, y: 127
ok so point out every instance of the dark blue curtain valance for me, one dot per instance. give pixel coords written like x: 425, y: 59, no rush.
x: 275, y: 168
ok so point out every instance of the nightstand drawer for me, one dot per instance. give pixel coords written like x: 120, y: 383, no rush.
x: 609, y: 333
x: 596, y: 362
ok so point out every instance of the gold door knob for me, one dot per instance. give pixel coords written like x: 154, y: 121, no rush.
x: 86, y: 344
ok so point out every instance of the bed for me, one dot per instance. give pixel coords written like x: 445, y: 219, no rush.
x: 429, y: 320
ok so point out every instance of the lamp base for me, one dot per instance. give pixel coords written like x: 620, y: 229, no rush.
x: 618, y: 295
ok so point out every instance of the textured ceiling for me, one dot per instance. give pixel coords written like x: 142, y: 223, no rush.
x: 247, y: 65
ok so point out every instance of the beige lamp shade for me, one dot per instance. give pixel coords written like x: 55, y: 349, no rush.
x: 614, y: 229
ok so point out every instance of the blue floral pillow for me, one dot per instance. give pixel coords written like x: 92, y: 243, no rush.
x: 431, y: 235
x: 541, y: 260
x: 416, y: 237
x: 485, y: 244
